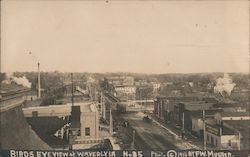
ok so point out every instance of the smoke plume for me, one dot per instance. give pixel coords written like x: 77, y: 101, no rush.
x: 224, y: 84
x: 23, y: 81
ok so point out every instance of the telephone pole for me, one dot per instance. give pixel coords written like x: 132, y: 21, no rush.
x: 183, y: 124
x: 39, y: 82
x: 111, y: 123
x: 133, y: 142
x: 204, y: 129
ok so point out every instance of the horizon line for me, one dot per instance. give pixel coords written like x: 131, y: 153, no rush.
x: 123, y: 72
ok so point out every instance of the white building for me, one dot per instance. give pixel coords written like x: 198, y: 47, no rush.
x: 125, y: 89
x: 156, y: 86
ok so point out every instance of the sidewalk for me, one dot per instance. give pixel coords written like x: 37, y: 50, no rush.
x: 189, y: 141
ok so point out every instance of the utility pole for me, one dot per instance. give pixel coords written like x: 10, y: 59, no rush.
x: 101, y: 105
x: 204, y: 129
x: 183, y: 124
x: 133, y: 142
x: 72, y: 97
x: 111, y: 123
x: 39, y: 82
x: 239, y: 141
x: 104, y: 110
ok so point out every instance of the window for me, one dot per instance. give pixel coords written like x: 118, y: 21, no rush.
x: 79, y: 133
x: 229, y: 142
x: 87, y: 131
x: 34, y: 114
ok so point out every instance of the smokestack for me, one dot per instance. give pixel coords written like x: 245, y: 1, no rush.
x: 39, y: 82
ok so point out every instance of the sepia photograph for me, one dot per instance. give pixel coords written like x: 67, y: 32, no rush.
x: 125, y: 78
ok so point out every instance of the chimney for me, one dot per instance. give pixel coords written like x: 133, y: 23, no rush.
x: 39, y: 82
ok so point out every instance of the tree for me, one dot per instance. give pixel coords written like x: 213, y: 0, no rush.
x: 2, y: 77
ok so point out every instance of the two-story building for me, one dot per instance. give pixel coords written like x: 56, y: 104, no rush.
x: 164, y: 107
x: 239, y: 121
x: 221, y: 135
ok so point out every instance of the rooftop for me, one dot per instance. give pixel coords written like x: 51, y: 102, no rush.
x: 242, y: 125
x: 180, y: 98
x: 210, y: 99
x: 228, y: 104
x: 86, y: 106
x: 234, y: 114
x: 196, y: 105
x: 208, y: 113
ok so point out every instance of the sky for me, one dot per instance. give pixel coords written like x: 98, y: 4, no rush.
x: 125, y: 36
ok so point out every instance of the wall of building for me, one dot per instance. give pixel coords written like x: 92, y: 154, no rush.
x: 197, y: 125
x: 213, y: 140
x: 230, y: 141
x: 223, y: 142
x: 89, y: 120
